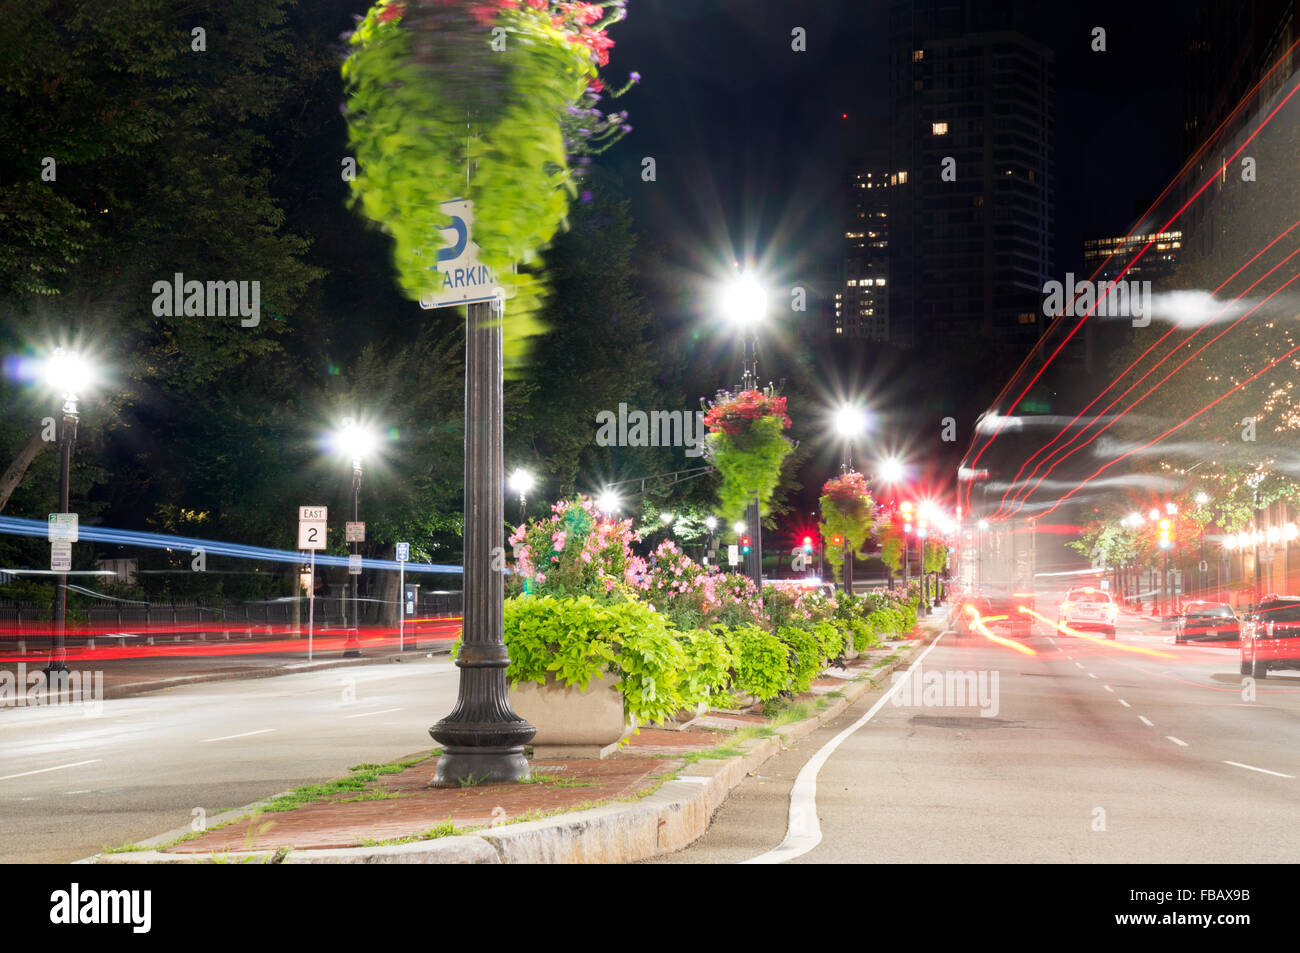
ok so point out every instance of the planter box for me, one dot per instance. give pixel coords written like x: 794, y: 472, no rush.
x: 572, y: 723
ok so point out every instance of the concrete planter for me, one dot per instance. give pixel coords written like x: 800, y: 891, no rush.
x: 685, y: 718
x: 572, y: 723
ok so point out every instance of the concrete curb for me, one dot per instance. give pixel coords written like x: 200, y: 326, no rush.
x: 673, y: 817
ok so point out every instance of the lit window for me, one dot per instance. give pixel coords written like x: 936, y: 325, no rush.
x: 902, y: 177
x: 853, y: 283
x: 880, y: 281
x: 939, y: 128
x: 918, y: 55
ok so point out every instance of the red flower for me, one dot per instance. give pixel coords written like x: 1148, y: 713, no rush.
x: 391, y: 12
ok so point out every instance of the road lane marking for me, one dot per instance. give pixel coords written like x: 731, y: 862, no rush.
x: 1090, y: 675
x: 803, y: 829
x: 1109, y: 689
x: 59, y: 767
x: 1146, y: 721
x: 1235, y: 764
x: 367, y: 714
x: 1181, y: 744
x: 1124, y: 703
x: 1080, y: 664
x: 260, y: 731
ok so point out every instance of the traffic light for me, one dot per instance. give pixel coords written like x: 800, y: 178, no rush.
x: 807, y: 544
x: 837, y: 541
x: 744, y: 545
x: 906, y: 509
x: 1166, y: 534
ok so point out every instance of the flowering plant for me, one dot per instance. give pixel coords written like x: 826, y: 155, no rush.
x: 695, y: 596
x: 848, y: 512
x: 487, y: 100
x: 747, y: 447
x: 576, y: 551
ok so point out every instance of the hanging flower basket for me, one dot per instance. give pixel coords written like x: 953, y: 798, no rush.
x: 488, y: 100
x: 848, y: 512
x: 747, y: 446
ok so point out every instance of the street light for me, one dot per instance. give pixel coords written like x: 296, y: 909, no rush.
x: 67, y: 374
x: 355, y: 441
x: 850, y: 423
x: 608, y: 502
x: 521, y: 483
x: 743, y: 303
x: 891, y: 470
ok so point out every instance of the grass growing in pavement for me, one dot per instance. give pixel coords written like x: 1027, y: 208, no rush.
x: 361, y: 776
x: 557, y: 781
x: 446, y: 829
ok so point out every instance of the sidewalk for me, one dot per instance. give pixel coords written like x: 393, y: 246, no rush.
x: 654, y: 796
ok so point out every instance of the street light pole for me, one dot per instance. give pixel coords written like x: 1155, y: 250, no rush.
x: 482, y: 738
x: 67, y: 436
x: 352, y: 647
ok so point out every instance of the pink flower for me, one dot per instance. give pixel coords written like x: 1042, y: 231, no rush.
x: 558, y: 540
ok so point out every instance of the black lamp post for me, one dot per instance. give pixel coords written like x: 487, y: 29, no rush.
x: 355, y: 441
x: 64, y: 371
x: 482, y: 738
x: 744, y: 303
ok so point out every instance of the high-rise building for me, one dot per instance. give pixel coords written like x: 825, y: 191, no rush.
x: 972, y: 179
x: 1113, y: 253
x: 862, y: 307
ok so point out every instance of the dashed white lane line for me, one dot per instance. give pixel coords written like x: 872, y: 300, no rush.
x: 1124, y: 703
x: 1090, y: 675
x: 1238, y: 764
x: 803, y: 829
x: 57, y: 767
x: 1177, y: 741
x: 1146, y: 721
x: 1109, y: 689
x: 244, y: 734
x: 1080, y: 664
x: 367, y: 714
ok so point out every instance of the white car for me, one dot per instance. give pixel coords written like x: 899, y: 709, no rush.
x: 1089, y: 608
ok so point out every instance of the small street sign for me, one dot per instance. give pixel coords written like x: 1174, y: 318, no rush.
x: 63, y: 528
x: 733, y: 554
x: 61, y: 557
x: 311, y: 535
x: 354, y: 532
x: 460, y: 279
x: 313, y: 514
x: 403, y: 552
x: 354, y: 564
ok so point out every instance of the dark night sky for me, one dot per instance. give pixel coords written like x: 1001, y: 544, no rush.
x: 747, y: 133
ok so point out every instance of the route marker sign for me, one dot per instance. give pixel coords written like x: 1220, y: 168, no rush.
x: 311, y: 526
x: 403, y: 552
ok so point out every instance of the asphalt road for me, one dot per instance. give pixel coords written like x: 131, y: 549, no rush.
x: 72, y: 783
x: 1095, y: 751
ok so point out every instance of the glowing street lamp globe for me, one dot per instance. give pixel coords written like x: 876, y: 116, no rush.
x: 891, y: 470
x: 521, y: 481
x: 739, y: 526
x: 608, y: 502
x: 68, y: 373
x: 355, y: 440
x: 710, y: 523
x: 850, y: 420
x: 744, y: 300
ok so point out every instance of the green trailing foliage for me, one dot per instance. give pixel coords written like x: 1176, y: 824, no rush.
x: 435, y: 114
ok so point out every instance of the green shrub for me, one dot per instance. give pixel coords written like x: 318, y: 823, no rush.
x: 708, y: 665
x: 760, y: 663
x: 864, y: 636
x: 831, y: 640
x: 577, y: 640
x: 806, y: 659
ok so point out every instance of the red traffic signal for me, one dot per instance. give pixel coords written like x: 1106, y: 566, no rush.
x: 744, y: 544
x: 807, y: 544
